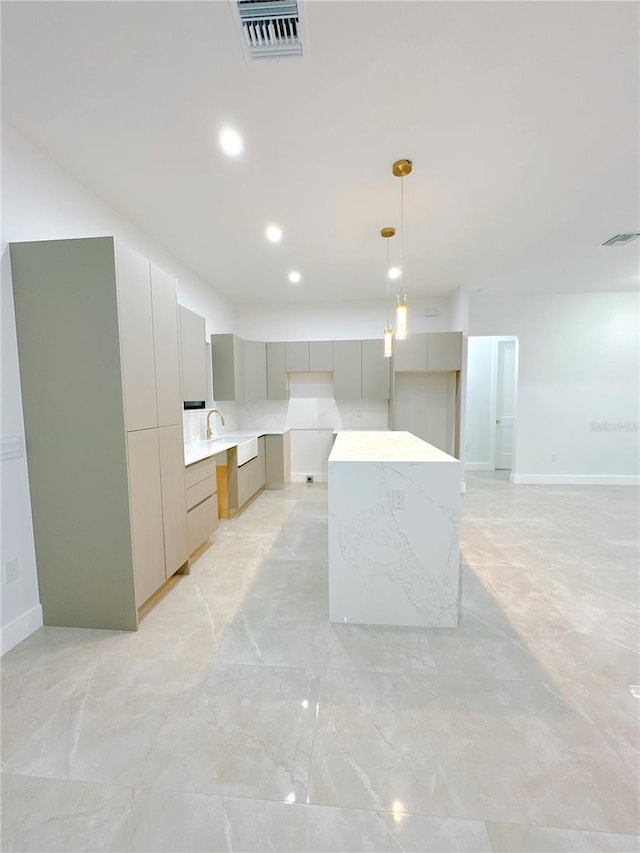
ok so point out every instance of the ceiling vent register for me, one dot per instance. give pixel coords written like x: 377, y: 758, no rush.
x: 271, y: 28
x: 621, y: 239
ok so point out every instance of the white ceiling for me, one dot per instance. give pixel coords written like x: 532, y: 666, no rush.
x: 521, y: 120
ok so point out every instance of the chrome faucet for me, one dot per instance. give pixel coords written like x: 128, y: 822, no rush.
x: 209, y: 433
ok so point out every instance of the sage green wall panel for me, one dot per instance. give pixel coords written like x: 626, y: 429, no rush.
x: 70, y: 371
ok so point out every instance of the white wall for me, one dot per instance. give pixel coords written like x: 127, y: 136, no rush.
x: 578, y: 367
x: 479, y: 404
x: 296, y: 321
x: 41, y: 202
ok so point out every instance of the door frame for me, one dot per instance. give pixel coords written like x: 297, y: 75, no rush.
x: 493, y: 397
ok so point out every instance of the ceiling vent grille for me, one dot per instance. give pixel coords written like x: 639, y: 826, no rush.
x: 271, y: 28
x: 621, y: 239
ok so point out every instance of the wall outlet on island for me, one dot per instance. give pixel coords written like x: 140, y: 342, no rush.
x: 309, y: 478
x: 11, y: 571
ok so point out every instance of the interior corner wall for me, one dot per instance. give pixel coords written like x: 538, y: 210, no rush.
x: 578, y: 383
x: 42, y: 202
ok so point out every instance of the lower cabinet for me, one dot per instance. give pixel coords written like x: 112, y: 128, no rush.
x: 145, y: 496
x: 277, y: 461
x: 174, y: 511
x: 245, y: 480
x: 201, y: 502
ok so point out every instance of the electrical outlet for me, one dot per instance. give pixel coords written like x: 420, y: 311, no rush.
x: 398, y: 498
x: 309, y: 478
x: 11, y: 571
x: 554, y: 457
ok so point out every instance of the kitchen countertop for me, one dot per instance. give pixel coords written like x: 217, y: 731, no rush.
x: 196, y: 451
x: 384, y: 446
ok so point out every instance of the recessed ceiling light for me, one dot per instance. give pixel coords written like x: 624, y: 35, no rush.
x: 274, y: 234
x: 294, y: 277
x: 395, y: 272
x: 231, y: 142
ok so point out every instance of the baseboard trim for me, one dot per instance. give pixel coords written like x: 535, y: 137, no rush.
x: 575, y: 479
x: 21, y: 628
x: 302, y: 478
x: 478, y: 466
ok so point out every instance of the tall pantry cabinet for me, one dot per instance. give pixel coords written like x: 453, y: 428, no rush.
x: 97, y: 328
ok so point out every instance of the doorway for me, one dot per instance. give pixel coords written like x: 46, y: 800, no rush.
x: 491, y: 403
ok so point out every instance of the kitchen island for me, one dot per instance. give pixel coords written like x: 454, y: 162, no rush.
x: 393, y: 507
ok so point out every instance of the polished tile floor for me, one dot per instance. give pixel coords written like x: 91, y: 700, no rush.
x: 237, y: 718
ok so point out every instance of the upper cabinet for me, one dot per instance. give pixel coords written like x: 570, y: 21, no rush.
x: 276, y: 372
x: 433, y: 351
x: 255, y: 370
x: 375, y: 370
x: 296, y: 356
x: 166, y: 345
x: 347, y: 372
x: 193, y: 349
x: 227, y: 363
x: 320, y: 356
x: 133, y: 284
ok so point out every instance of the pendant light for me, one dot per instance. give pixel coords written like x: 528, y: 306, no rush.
x: 402, y: 168
x: 388, y: 331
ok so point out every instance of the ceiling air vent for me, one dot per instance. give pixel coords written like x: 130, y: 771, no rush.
x: 621, y: 239
x: 271, y: 28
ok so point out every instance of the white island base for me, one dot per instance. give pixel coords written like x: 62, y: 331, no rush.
x: 394, y: 508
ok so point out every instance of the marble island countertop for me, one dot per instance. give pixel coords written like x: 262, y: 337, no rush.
x: 384, y: 446
x: 195, y: 451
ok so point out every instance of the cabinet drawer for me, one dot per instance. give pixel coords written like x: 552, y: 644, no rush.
x: 201, y: 522
x: 199, y: 471
x: 201, y: 490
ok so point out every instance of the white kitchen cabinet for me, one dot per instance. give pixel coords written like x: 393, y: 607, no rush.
x: 166, y: 347
x: 133, y: 283
x: 296, y: 354
x: 320, y: 356
x: 255, y: 370
x: 97, y: 459
x: 193, y: 349
x: 276, y: 371
x: 375, y: 370
x: 444, y: 351
x: 347, y: 370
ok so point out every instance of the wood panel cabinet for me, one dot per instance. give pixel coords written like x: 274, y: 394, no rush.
x: 276, y: 372
x: 347, y: 370
x: 194, y: 355
x: 411, y: 354
x: 444, y: 351
x: 85, y: 321
x: 245, y: 480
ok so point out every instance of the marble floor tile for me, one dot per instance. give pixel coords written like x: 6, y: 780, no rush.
x: 239, y: 718
x: 54, y: 814
x: 508, y: 838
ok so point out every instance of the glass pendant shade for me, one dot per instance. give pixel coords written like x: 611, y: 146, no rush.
x: 401, y: 318
x: 388, y: 341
